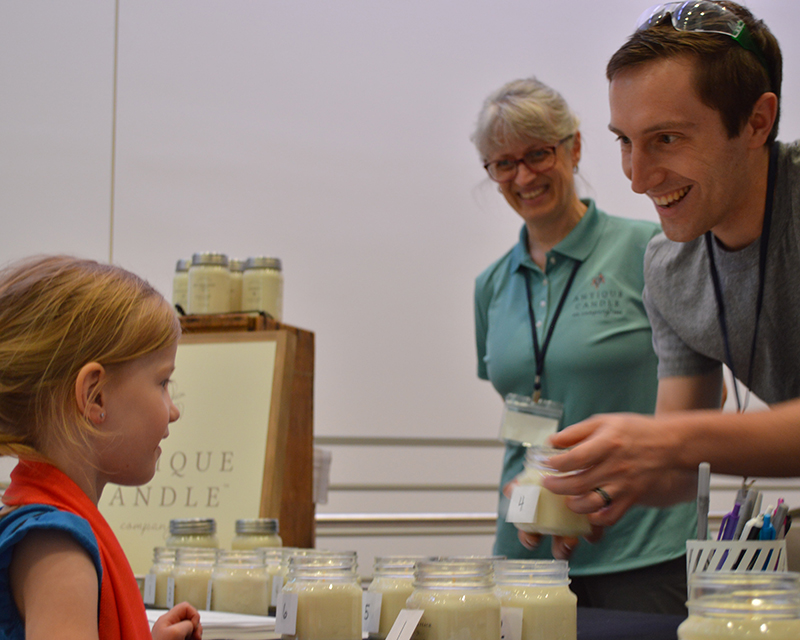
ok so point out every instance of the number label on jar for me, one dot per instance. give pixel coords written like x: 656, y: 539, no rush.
x: 510, y: 623
x: 371, y: 610
x: 522, y: 505
x: 286, y: 613
x: 407, y: 620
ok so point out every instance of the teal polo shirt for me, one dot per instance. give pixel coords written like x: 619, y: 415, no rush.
x: 600, y: 359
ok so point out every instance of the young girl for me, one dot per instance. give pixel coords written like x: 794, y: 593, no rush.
x: 86, y: 353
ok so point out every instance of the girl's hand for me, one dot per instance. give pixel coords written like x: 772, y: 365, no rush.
x: 182, y: 622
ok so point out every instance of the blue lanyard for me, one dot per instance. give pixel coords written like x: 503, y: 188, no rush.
x: 762, y: 268
x: 537, y: 352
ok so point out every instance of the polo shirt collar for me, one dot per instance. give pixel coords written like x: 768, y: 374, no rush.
x: 577, y: 245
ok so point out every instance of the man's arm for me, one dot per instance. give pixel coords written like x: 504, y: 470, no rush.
x: 654, y: 460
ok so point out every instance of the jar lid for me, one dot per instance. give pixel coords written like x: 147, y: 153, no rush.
x: 182, y: 265
x: 256, y: 526
x: 210, y: 258
x: 532, y: 572
x: 263, y: 262
x: 234, y: 264
x: 189, y: 526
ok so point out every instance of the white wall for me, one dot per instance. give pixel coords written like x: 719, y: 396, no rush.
x: 334, y: 135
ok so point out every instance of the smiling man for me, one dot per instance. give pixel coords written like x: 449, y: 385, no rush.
x: 694, y: 98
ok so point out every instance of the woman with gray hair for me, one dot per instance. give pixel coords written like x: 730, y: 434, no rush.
x: 560, y: 318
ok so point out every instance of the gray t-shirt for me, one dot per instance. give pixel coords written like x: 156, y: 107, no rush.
x: 680, y: 302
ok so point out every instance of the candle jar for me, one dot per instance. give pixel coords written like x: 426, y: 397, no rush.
x: 458, y: 600
x: 394, y: 580
x: 553, y: 516
x: 193, y: 532
x: 236, y: 271
x: 256, y: 533
x: 180, y: 286
x: 276, y: 561
x: 748, y: 604
x: 262, y: 286
x: 329, y: 596
x: 209, y: 283
x: 161, y: 570
x: 239, y: 583
x: 191, y: 576
x: 541, y: 589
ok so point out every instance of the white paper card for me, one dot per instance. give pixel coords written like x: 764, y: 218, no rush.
x: 527, y: 429
x: 208, y: 595
x: 277, y: 587
x: 150, y: 589
x: 405, y: 623
x: 170, y: 592
x: 286, y: 614
x: 522, y: 505
x: 371, y: 612
x: 510, y: 623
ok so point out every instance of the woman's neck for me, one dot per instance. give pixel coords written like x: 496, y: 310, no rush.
x: 545, y: 234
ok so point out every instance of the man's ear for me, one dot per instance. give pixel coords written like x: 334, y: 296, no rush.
x: 88, y: 392
x: 761, y: 119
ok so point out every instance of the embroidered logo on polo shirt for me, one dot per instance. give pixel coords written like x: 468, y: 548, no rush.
x: 596, y: 282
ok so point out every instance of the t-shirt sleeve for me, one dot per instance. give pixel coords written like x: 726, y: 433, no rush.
x: 481, y: 326
x: 16, y: 525
x: 675, y: 357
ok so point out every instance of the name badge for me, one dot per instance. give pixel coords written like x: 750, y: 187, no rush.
x: 529, y: 422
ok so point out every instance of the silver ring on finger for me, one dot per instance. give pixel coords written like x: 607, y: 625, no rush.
x: 604, y: 495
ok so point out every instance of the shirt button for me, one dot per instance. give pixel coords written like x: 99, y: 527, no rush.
x: 552, y: 260
x: 544, y: 282
x: 542, y: 304
x: 539, y: 324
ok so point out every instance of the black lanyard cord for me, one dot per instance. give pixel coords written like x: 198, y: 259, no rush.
x: 762, y: 269
x: 538, y: 353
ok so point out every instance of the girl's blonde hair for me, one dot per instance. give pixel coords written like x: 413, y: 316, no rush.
x: 57, y: 314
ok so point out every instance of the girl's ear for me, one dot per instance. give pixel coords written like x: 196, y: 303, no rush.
x: 88, y: 392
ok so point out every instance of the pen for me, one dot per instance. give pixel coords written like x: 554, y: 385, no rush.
x: 729, y: 524
x: 767, y: 530
x: 745, y: 513
x: 779, y: 519
x: 703, y: 492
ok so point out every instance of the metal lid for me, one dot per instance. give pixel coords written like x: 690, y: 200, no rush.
x: 256, y: 526
x: 210, y: 258
x: 192, y: 526
x: 263, y: 262
x: 182, y: 265
x: 234, y: 264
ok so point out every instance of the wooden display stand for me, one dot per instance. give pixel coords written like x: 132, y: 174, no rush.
x: 296, y: 501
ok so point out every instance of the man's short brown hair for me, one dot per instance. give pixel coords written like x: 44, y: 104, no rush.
x: 728, y: 78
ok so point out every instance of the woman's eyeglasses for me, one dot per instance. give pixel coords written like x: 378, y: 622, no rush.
x: 536, y: 160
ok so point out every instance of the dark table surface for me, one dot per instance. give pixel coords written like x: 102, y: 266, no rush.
x: 604, y: 624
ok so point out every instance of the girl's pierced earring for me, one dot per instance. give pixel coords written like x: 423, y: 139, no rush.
x: 103, y: 416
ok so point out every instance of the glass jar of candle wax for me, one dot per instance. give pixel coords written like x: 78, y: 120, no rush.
x: 458, y: 600
x: 329, y: 596
x: 262, y: 286
x: 239, y: 583
x: 163, y: 564
x: 193, y: 532
x: 393, y: 579
x: 541, y: 589
x: 553, y: 516
x: 209, y: 283
x: 732, y: 605
x: 180, y: 286
x: 236, y: 271
x: 256, y: 533
x: 192, y: 574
